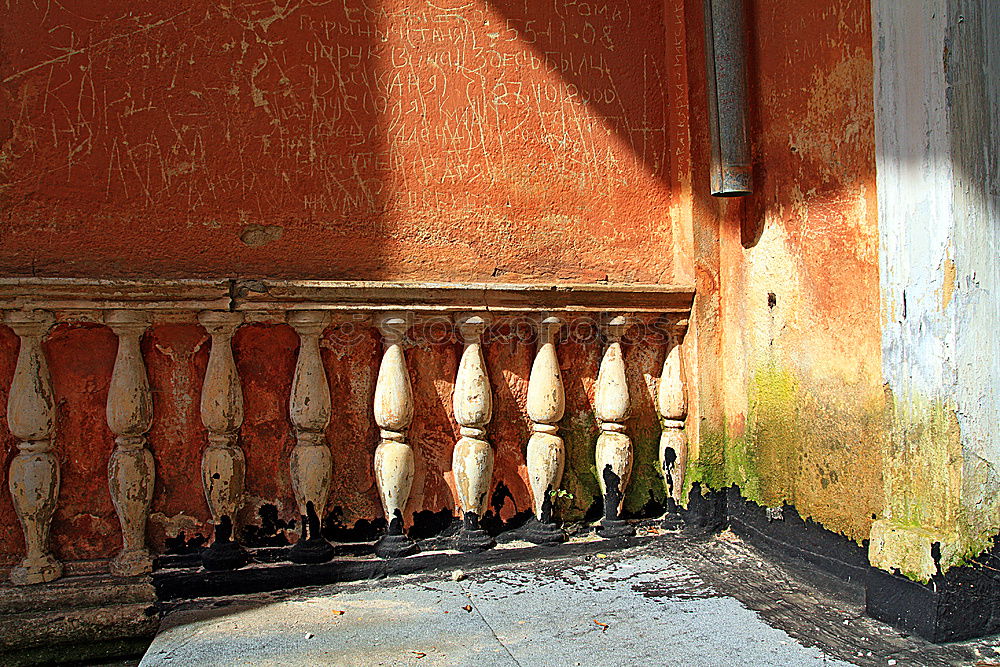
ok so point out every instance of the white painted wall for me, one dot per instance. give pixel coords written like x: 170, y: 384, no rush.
x: 937, y: 77
x: 974, y: 78
x: 914, y: 178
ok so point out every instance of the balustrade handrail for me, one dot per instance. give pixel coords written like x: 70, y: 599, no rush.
x: 86, y: 294
x: 82, y: 294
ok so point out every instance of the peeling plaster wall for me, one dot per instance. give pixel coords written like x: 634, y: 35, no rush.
x: 861, y: 358
x: 938, y: 66
x: 799, y: 275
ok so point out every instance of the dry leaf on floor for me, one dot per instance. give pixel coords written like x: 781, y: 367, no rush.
x: 467, y: 607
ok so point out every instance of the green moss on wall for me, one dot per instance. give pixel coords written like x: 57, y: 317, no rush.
x: 923, y: 464
x: 846, y: 458
x: 762, y: 459
x: 579, y: 432
x: 707, y: 467
x: 765, y: 460
x: 647, y: 473
x: 935, y: 492
x: 814, y: 446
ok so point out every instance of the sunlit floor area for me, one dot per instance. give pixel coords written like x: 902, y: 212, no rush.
x: 704, y: 602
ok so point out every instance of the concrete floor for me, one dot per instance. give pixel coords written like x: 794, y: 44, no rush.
x: 621, y: 608
x: 673, y: 599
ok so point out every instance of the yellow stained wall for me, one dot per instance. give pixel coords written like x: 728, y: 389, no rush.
x: 799, y: 276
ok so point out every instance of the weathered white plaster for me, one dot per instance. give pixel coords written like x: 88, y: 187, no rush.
x: 974, y: 77
x: 914, y: 173
x: 937, y: 146
x: 937, y: 68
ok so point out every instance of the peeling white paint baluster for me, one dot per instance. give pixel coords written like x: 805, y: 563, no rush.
x: 671, y: 403
x: 394, y: 457
x: 34, y: 472
x: 546, y: 454
x: 614, y: 447
x: 131, y: 470
x: 223, y: 465
x: 311, y: 463
x: 472, y: 460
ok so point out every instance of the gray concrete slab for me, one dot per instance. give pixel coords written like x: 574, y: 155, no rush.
x: 629, y: 608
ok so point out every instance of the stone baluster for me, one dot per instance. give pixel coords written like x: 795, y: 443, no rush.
x: 311, y: 462
x: 472, y: 460
x: 223, y: 465
x: 131, y: 470
x: 546, y: 454
x: 671, y: 403
x: 394, y: 457
x: 34, y: 472
x: 614, y: 447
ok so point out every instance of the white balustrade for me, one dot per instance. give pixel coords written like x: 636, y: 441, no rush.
x: 614, y: 447
x: 472, y: 459
x: 546, y: 454
x: 311, y: 462
x: 34, y: 472
x: 131, y: 470
x: 393, y: 408
x: 223, y: 465
x: 671, y: 403
x: 31, y: 307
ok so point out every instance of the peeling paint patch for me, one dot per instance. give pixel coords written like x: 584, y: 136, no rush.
x: 905, y: 548
x: 948, y: 283
x: 173, y: 525
x: 256, y: 236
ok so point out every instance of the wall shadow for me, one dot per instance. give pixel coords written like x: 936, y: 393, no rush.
x: 353, y: 139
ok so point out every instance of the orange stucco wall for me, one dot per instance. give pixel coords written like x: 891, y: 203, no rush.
x: 799, y: 267
x: 389, y: 140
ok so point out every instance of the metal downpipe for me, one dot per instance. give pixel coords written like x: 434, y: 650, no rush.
x: 726, y: 69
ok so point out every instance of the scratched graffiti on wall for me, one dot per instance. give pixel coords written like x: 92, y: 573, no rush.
x: 484, y: 133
